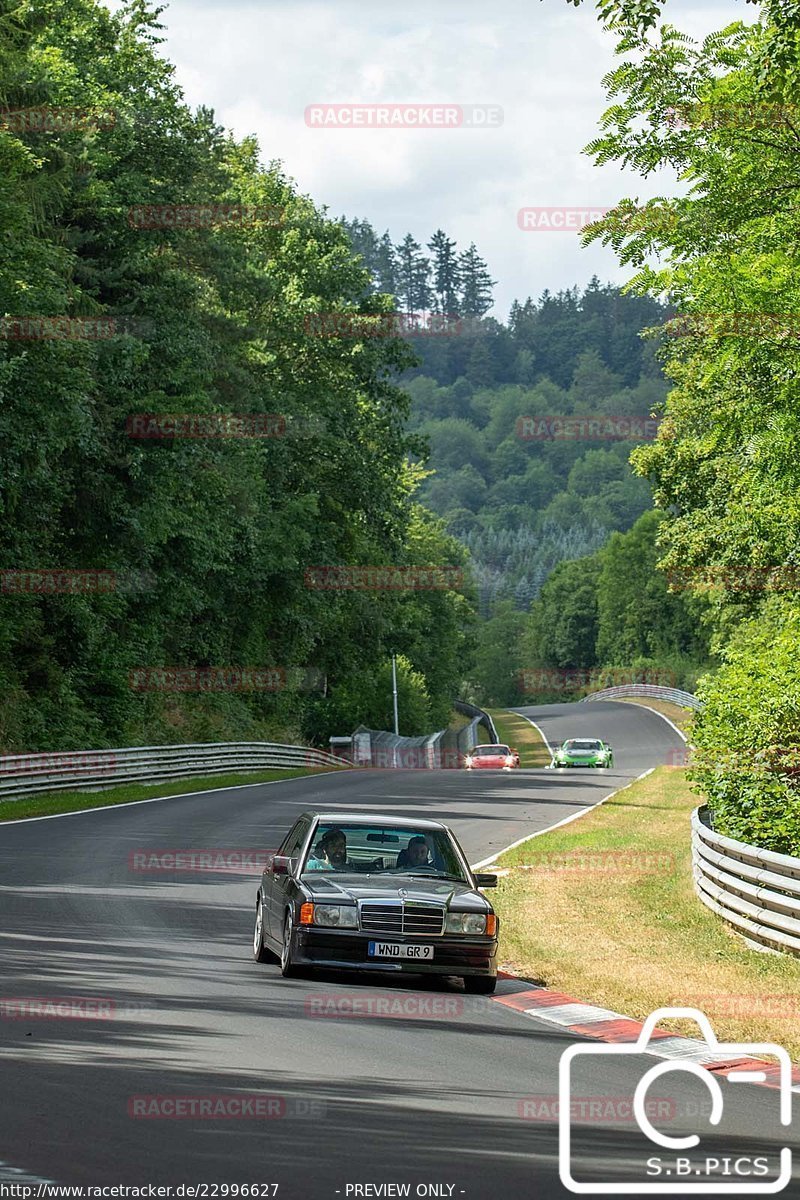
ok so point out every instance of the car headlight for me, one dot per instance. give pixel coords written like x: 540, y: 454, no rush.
x: 343, y: 916
x: 468, y: 761
x: 465, y: 923
x: 509, y: 760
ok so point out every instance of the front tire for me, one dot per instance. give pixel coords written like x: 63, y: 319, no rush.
x: 288, y: 969
x: 480, y: 985
x: 260, y: 952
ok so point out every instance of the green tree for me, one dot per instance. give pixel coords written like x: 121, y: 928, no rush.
x: 725, y: 464
x: 386, y: 265
x: 476, y: 283
x: 445, y: 273
x: 498, y: 658
x: 593, y: 385
x: 220, y: 531
x: 562, y: 627
x: 746, y: 738
x: 412, y: 274
x: 456, y: 443
x: 637, y: 618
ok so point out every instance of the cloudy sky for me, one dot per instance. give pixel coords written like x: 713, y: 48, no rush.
x: 260, y: 63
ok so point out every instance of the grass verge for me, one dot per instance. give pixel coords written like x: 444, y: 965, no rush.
x: 53, y: 803
x: 679, y: 716
x: 616, y: 922
x: 516, y: 731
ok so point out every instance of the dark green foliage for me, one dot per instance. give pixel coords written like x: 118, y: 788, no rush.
x: 220, y: 530
x: 445, y: 272
x: 520, y: 503
x: 747, y: 738
x: 725, y: 468
x: 448, y: 282
x: 562, y: 629
x: 609, y: 618
x: 412, y: 276
x: 476, y: 285
x: 497, y: 655
x: 638, y: 618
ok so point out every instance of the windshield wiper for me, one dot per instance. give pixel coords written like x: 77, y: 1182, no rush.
x: 424, y: 875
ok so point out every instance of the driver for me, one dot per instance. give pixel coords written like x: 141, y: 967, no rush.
x: 330, y: 851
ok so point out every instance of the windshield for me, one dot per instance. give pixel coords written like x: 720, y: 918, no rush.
x: 584, y: 745
x: 375, y: 849
x: 490, y: 752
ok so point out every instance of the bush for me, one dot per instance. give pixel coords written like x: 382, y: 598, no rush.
x: 747, y: 738
x: 363, y: 699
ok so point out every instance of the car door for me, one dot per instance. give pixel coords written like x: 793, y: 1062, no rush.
x: 279, y: 885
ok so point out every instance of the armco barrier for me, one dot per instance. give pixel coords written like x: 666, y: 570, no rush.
x: 632, y: 690
x: 456, y: 743
x: 480, y: 717
x: 29, y: 774
x: 755, y: 891
x: 379, y: 748
x: 447, y: 748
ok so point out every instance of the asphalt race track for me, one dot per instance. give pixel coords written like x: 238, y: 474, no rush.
x: 429, y: 1097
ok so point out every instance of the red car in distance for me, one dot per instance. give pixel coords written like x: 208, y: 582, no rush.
x: 495, y: 758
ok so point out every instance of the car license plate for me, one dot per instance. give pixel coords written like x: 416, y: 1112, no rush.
x: 396, y: 950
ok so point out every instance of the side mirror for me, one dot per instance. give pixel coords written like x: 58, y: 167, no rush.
x: 483, y: 880
x: 281, y: 865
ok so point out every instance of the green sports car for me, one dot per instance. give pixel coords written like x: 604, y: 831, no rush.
x: 583, y: 752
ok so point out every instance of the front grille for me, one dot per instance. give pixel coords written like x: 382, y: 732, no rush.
x: 419, y: 918
x: 402, y: 918
x: 382, y: 918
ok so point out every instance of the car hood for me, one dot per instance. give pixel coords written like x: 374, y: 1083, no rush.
x: 400, y: 887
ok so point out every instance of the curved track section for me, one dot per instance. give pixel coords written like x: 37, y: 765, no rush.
x: 426, y: 1094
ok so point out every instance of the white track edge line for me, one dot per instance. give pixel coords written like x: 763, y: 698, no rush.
x: 663, y: 716
x: 233, y: 787
x: 566, y: 821
x: 538, y: 729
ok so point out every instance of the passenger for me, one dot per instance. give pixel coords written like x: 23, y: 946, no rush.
x: 415, y: 854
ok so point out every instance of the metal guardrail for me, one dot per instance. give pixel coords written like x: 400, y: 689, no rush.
x: 456, y: 743
x: 632, y: 690
x: 755, y: 891
x: 480, y: 717
x: 31, y: 774
x: 390, y: 750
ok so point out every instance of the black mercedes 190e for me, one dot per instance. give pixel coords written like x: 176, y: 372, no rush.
x: 376, y: 893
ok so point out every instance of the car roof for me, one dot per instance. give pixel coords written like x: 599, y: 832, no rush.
x: 490, y: 745
x: 583, y: 737
x: 347, y: 818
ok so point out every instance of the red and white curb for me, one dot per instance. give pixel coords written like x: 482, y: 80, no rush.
x: 605, y: 1025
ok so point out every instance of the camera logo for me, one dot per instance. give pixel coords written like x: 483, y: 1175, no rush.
x: 708, y: 1172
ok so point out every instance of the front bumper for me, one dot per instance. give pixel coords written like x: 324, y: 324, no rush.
x: 584, y: 762
x: 490, y: 766
x: 345, y: 949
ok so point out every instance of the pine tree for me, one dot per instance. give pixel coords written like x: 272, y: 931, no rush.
x: 479, y: 365
x: 386, y: 265
x: 445, y: 273
x: 476, y: 283
x: 413, y: 276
